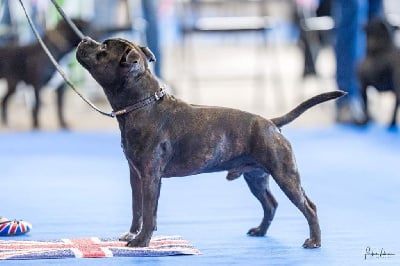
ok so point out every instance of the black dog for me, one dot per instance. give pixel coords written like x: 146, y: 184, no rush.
x: 381, y: 66
x: 30, y: 64
x: 165, y: 137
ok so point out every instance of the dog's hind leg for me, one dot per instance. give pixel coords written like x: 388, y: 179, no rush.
x: 364, y: 101
x: 280, y: 163
x: 258, y: 182
x: 288, y: 179
x: 396, y: 108
x: 12, y: 85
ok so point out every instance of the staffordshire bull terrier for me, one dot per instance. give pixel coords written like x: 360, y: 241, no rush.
x: 163, y: 136
x: 381, y: 66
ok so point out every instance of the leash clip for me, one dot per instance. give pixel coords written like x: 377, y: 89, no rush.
x: 159, y: 94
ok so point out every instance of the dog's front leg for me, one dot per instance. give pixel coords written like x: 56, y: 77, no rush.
x: 364, y: 99
x: 151, y: 186
x: 137, y: 206
x: 12, y: 86
x: 396, y: 91
x: 36, y: 108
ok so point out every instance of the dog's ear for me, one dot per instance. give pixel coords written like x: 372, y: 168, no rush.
x: 149, y: 54
x: 128, y: 58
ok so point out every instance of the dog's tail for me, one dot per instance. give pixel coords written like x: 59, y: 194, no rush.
x: 304, y: 106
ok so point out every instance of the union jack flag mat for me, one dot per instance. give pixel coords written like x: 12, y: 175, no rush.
x: 92, y: 248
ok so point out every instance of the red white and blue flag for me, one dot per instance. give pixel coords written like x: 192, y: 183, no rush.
x: 10, y: 228
x: 92, y: 248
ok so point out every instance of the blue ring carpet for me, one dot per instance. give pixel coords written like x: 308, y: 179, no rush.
x: 76, y: 185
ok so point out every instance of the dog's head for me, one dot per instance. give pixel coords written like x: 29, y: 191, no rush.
x: 379, y: 35
x: 112, y: 61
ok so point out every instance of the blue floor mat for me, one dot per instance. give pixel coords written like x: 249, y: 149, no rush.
x: 76, y: 184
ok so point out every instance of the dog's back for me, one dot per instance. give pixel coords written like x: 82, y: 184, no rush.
x: 30, y: 64
x: 14, y: 61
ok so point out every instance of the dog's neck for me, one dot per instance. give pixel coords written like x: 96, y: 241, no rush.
x: 132, y: 90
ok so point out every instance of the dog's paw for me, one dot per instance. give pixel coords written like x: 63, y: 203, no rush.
x: 128, y: 236
x: 256, y: 232
x: 138, y: 242
x: 312, y: 243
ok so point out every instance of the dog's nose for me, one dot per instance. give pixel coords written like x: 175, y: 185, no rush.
x: 87, y: 39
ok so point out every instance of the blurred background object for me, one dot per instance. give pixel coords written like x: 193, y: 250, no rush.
x: 233, y: 22
x: 350, y: 47
x: 261, y: 56
x: 8, y: 34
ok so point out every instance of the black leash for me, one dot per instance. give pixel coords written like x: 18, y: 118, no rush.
x: 57, y: 66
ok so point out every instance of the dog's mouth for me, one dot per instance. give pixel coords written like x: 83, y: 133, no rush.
x: 85, y: 65
x: 82, y: 56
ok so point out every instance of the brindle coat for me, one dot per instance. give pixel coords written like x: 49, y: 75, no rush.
x: 169, y: 138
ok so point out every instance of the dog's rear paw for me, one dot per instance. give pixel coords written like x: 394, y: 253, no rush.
x: 128, y: 236
x: 312, y: 243
x: 257, y: 231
